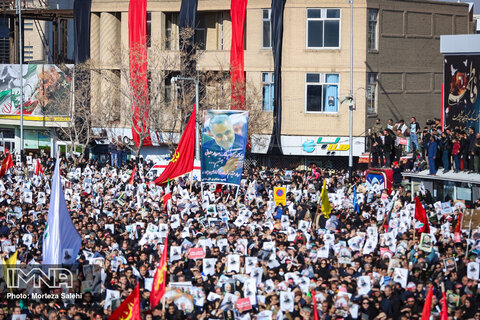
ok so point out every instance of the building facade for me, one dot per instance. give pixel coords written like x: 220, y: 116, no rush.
x: 397, y: 65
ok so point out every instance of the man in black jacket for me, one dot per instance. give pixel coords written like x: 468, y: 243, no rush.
x: 388, y: 148
x: 471, y: 147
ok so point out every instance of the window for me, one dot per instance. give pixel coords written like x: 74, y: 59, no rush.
x: 170, y: 20
x: 27, y: 25
x: 200, y: 31
x: 372, y: 90
x: 149, y: 29
x: 372, y: 40
x: 168, y: 89
x: 323, y: 28
x: 267, y: 90
x: 267, y: 28
x: 322, y: 92
x: 28, y: 52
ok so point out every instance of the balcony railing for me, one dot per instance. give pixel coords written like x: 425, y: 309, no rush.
x: 29, y: 4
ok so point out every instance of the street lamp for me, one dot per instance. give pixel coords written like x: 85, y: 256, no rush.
x: 20, y: 51
x: 350, y: 152
x: 197, y: 137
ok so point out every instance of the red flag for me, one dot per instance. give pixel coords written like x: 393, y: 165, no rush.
x: 130, y: 307
x: 315, y: 311
x: 137, y: 44
x: 421, y: 215
x: 444, y: 312
x: 459, y: 223
x: 160, y: 278
x: 132, y: 176
x: 238, y: 10
x: 182, y: 160
x: 7, y: 163
x: 428, y: 305
x: 39, y: 168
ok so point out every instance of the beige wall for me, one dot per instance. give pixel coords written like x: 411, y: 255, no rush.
x: 398, y: 30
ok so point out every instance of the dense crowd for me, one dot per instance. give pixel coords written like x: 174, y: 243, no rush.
x: 430, y: 147
x: 280, y: 257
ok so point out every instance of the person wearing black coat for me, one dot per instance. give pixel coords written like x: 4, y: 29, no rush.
x: 463, y: 149
x: 397, y: 175
x: 446, y: 146
x: 471, y: 144
x: 377, y: 150
x: 388, y: 146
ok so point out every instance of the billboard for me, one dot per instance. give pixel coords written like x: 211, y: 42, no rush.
x: 46, y: 89
x: 461, y: 86
x: 224, y: 138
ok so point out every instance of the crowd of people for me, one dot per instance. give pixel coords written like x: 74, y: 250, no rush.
x: 430, y: 147
x: 358, y: 262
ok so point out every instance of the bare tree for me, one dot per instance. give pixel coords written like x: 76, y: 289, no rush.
x: 70, y: 99
x: 162, y: 111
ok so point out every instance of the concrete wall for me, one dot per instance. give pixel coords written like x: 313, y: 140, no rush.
x: 408, y: 61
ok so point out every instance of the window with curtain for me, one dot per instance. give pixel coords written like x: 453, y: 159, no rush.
x: 321, y: 92
x: 267, y: 90
x: 323, y: 28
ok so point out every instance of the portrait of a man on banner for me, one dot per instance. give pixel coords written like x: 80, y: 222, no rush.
x: 224, y: 137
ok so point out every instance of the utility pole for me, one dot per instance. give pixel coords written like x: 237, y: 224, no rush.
x: 351, y: 106
x: 20, y: 48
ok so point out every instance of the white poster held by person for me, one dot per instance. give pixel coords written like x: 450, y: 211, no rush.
x: 400, y: 275
x: 209, y: 266
x: 287, y: 301
x: 250, y: 290
x: 233, y: 263
x: 250, y: 263
x: 175, y: 253
x: 364, y: 285
x: 473, y: 270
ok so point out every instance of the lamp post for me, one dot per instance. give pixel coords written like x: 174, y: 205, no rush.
x: 20, y: 50
x: 350, y: 137
x: 197, y: 136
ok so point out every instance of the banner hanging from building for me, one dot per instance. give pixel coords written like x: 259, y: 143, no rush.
x: 47, y: 90
x: 224, y: 138
x: 461, y: 88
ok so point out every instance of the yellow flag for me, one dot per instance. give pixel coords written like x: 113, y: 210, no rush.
x: 6, y: 264
x: 326, y: 207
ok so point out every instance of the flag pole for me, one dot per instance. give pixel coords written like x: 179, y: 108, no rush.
x: 236, y: 193
x: 191, y: 181
x: 414, y: 231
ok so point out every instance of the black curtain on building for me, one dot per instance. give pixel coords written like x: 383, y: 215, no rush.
x: 81, y: 20
x: 188, y: 13
x: 278, y: 7
x: 186, y: 21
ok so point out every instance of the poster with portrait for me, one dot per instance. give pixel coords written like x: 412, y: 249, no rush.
x: 460, y: 94
x: 46, y: 90
x: 224, y: 139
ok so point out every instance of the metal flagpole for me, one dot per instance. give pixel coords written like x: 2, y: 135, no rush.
x: 21, y: 75
x: 350, y: 138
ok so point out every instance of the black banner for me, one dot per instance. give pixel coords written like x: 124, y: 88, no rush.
x: 460, y: 94
x: 81, y: 21
x: 278, y: 6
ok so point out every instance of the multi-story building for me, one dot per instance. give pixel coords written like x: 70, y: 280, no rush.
x: 47, y: 39
x: 397, y: 66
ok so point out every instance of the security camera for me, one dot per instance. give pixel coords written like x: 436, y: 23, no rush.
x: 173, y: 80
x: 342, y: 99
